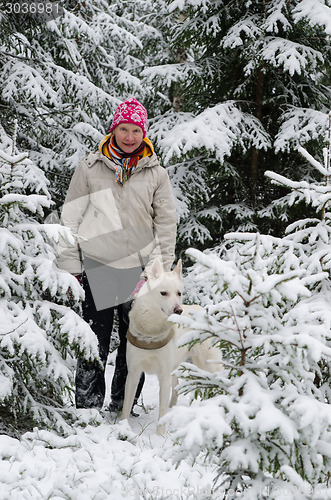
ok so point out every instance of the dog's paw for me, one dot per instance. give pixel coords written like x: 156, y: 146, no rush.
x: 149, y: 407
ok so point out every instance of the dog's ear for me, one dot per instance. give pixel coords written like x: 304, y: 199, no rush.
x: 157, y: 269
x: 178, y: 268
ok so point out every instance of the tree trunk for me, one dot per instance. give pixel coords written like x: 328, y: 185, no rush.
x: 255, y: 152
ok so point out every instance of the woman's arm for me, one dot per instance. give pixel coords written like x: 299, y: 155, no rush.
x: 165, y: 223
x: 74, y: 207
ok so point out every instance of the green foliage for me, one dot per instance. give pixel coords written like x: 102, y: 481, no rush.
x: 40, y: 333
x: 266, y: 415
x: 270, y: 60
x: 263, y: 417
x: 62, y: 81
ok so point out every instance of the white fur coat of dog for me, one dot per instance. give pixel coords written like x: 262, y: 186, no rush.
x: 152, y: 345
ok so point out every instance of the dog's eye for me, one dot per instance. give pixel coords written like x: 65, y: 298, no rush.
x: 179, y: 294
x: 163, y: 294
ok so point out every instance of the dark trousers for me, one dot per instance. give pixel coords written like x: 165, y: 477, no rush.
x: 90, y: 376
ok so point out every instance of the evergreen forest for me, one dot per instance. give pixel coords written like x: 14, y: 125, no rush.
x: 238, y: 94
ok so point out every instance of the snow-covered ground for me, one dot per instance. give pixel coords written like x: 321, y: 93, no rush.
x: 107, y: 461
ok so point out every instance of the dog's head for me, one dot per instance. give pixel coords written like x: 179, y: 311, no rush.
x: 166, y: 288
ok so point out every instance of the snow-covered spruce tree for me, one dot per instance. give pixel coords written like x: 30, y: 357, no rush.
x: 40, y: 332
x: 268, y: 307
x: 264, y: 420
x: 63, y: 79
x: 314, y: 233
x: 251, y: 72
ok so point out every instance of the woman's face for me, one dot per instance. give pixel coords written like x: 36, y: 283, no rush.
x: 128, y: 136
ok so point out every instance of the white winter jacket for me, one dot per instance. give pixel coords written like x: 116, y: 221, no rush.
x: 121, y: 225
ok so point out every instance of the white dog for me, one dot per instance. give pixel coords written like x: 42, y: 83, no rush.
x: 152, y: 345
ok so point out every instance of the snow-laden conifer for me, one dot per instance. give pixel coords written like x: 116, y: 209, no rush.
x: 314, y: 233
x: 250, y: 73
x: 265, y: 418
x: 63, y: 80
x: 40, y: 332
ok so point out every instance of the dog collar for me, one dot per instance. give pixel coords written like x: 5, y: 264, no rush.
x: 142, y: 344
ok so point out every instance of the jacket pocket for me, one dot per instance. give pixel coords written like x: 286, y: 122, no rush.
x: 101, y: 216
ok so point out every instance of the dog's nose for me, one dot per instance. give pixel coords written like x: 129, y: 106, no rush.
x: 178, y: 310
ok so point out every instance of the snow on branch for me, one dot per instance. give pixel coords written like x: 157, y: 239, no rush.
x: 216, y: 129
x: 245, y: 28
x: 184, y: 4
x: 313, y: 162
x: 284, y: 181
x: 317, y: 12
x: 169, y: 73
x: 298, y: 126
x: 71, y: 24
x: 22, y: 76
x: 318, y: 196
x: 293, y: 57
x: 31, y: 202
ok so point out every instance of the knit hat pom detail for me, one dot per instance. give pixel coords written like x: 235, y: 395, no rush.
x: 130, y: 111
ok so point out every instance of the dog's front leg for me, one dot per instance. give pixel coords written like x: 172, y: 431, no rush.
x: 164, y: 397
x: 130, y: 391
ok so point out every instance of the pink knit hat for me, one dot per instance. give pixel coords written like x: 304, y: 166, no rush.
x: 130, y: 111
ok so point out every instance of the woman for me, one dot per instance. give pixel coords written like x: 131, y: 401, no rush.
x: 121, y: 207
